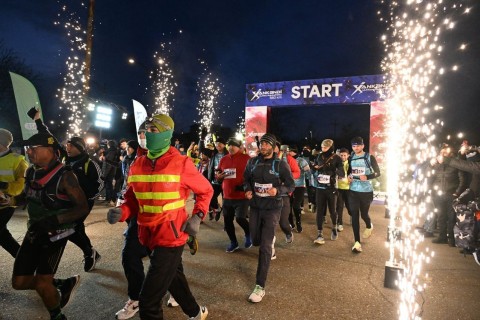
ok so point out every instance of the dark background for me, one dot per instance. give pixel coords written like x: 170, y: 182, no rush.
x: 242, y: 42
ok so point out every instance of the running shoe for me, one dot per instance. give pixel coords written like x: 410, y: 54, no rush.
x: 357, y: 247
x: 320, y: 239
x: 368, y: 231
x: 89, y: 262
x: 202, y: 314
x: 248, y: 242
x: 172, y: 303
x: 127, y: 312
x: 257, y: 294
x: 340, y: 227
x: 232, y: 247
x: 67, y: 288
x: 334, y: 235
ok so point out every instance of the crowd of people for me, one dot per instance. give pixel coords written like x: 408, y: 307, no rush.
x: 147, y: 182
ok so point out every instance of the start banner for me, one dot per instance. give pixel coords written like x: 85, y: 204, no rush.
x: 348, y: 90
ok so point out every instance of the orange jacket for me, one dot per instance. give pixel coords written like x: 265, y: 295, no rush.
x: 157, y: 192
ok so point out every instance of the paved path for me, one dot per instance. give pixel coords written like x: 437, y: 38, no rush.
x: 306, y: 281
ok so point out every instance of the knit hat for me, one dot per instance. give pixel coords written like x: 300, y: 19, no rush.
x: 293, y: 149
x: 6, y: 138
x: 268, y: 138
x: 162, y: 122
x: 133, y: 144
x: 220, y: 140
x: 357, y: 141
x: 78, y: 143
x: 234, y: 142
x: 327, y: 143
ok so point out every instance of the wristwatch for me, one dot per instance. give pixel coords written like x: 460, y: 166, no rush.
x: 200, y: 214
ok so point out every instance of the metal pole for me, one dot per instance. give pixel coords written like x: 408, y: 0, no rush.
x: 88, y: 58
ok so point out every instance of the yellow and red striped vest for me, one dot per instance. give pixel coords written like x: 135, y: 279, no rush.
x: 157, y: 190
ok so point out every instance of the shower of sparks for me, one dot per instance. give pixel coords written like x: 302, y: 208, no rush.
x: 240, y: 133
x: 209, y: 88
x: 71, y: 94
x: 412, y: 66
x: 163, y: 81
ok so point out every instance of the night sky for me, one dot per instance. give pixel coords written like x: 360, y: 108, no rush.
x: 242, y: 42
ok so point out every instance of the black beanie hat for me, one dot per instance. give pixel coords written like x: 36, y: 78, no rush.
x: 234, y: 142
x: 133, y: 144
x: 78, y: 143
x: 269, y: 138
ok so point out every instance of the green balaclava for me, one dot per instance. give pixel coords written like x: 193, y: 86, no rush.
x: 158, y: 143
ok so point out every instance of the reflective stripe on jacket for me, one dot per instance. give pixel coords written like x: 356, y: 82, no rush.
x: 158, y: 193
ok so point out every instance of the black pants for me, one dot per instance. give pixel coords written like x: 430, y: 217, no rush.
x: 110, y: 194
x: 359, y: 205
x: 80, y: 238
x: 235, y: 209
x: 310, y: 192
x: 132, y: 254
x: 446, y: 215
x: 217, y: 190
x: 296, y: 204
x: 342, y: 201
x: 166, y: 273
x: 325, y: 198
x: 262, y: 230
x: 6, y: 239
x: 284, y: 223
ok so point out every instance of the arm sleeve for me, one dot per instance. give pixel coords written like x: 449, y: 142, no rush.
x: 339, y: 168
x: 247, y: 175
x: 468, y: 166
x: 294, y: 167
x: 95, y: 182
x: 375, y: 167
x: 129, y: 206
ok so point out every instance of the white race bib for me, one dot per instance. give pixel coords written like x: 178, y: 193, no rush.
x: 261, y: 189
x: 358, y: 171
x: 323, y: 178
x: 230, y: 173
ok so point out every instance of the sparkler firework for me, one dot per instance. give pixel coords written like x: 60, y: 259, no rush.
x: 412, y: 64
x: 163, y: 82
x: 209, y: 88
x: 71, y: 94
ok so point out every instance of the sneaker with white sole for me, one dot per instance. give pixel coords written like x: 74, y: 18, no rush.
x: 320, y: 239
x: 368, y: 231
x: 67, y: 288
x: 274, y: 256
x: 334, y: 235
x: 202, y: 314
x: 248, y: 242
x: 257, y: 294
x: 232, y: 247
x: 127, y: 312
x: 89, y: 262
x: 476, y: 256
x: 340, y: 227
x: 289, y: 238
x: 357, y: 247
x: 171, y: 302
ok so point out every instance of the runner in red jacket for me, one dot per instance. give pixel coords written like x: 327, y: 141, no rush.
x: 159, y: 184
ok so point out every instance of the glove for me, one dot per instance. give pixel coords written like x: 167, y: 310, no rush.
x: 114, y: 215
x: 192, y: 244
x: 45, y: 225
x: 192, y: 225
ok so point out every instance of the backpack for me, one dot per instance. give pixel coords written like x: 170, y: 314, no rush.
x: 465, y: 224
x: 366, y: 157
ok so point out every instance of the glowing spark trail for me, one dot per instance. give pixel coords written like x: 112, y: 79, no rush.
x: 71, y: 94
x: 163, y: 82
x: 412, y: 66
x: 209, y: 88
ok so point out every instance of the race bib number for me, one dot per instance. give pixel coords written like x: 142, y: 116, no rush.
x: 358, y: 171
x: 230, y: 173
x: 261, y: 189
x: 323, y: 178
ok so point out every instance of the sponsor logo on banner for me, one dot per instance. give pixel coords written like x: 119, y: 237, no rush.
x: 376, y: 87
x: 261, y: 93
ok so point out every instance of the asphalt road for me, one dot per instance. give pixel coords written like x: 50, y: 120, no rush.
x: 306, y: 281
